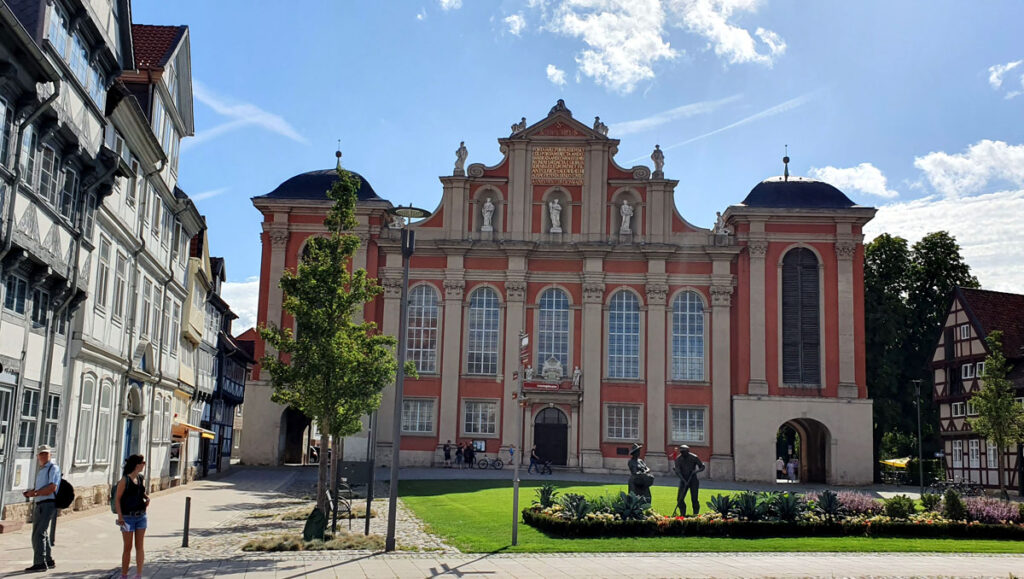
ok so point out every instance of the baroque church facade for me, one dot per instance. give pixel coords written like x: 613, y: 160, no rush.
x: 643, y: 328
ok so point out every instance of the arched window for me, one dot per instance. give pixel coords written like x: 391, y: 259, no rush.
x: 687, y: 337
x: 482, y: 351
x: 421, y: 335
x: 624, y: 336
x: 157, y: 420
x: 801, y: 353
x: 85, y: 419
x: 103, y: 423
x: 553, y: 324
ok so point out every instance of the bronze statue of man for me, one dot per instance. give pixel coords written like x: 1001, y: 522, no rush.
x: 687, y: 466
x: 640, y: 477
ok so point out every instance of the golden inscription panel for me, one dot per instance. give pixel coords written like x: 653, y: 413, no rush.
x: 557, y: 166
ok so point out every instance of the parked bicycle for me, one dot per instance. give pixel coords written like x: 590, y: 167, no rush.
x: 545, y: 468
x: 962, y: 488
x: 494, y: 463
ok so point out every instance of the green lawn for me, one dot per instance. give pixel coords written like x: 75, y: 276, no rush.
x: 476, y: 517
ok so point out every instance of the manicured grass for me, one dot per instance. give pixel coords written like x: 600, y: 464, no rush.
x: 476, y: 517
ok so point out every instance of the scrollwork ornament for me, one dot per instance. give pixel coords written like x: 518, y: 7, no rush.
x: 278, y: 238
x: 757, y: 248
x: 476, y: 170
x: 454, y: 289
x: 721, y: 295
x: 657, y: 294
x: 845, y: 250
x: 641, y: 173
x: 515, y: 290
x: 392, y: 287
x: 593, y: 292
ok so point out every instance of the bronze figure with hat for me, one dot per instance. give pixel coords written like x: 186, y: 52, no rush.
x: 687, y: 465
x: 640, y: 477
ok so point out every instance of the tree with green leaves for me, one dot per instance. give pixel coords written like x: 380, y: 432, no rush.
x: 1000, y: 419
x: 330, y: 368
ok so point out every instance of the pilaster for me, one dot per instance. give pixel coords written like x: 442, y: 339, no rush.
x: 515, y: 322
x: 721, y: 383
x: 278, y: 235
x: 392, y: 283
x: 846, y: 249
x: 758, y: 385
x: 454, y: 290
x: 593, y: 331
x: 657, y: 293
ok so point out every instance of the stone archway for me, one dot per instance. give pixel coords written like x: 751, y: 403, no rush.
x: 811, y: 443
x: 551, y: 436
x: 293, y: 441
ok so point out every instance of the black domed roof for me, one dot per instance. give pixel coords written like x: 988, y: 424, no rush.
x: 796, y: 193
x: 315, y: 184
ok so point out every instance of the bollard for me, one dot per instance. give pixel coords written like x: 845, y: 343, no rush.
x: 188, y: 510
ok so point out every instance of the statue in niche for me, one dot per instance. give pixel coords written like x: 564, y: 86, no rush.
x: 626, y: 211
x: 529, y: 372
x: 520, y: 126
x: 577, y: 376
x: 552, y: 369
x: 659, y: 161
x: 555, y: 213
x: 488, y: 213
x: 600, y: 127
x: 460, y: 159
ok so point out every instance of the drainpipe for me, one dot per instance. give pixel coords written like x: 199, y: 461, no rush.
x: 159, y: 373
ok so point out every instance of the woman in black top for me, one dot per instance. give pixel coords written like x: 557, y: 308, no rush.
x: 469, y: 453
x: 448, y: 454
x: 131, y: 501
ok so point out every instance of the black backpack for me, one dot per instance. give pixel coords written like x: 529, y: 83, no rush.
x: 65, y: 494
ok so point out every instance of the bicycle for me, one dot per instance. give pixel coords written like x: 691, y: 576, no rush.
x: 494, y: 463
x: 962, y: 488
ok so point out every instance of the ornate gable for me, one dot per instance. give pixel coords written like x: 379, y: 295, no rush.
x: 559, y: 124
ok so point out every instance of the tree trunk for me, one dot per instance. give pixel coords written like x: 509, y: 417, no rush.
x: 335, y: 454
x: 321, y: 483
x: 1000, y: 458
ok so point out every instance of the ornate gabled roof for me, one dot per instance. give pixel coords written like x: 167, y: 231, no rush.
x: 558, y: 123
x: 155, y: 44
x: 992, y: 310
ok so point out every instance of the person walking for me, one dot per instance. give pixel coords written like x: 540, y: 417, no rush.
x: 460, y: 454
x: 447, y: 454
x: 44, y: 509
x: 791, y: 469
x: 534, y: 460
x: 469, y: 454
x: 780, y: 468
x: 131, y: 501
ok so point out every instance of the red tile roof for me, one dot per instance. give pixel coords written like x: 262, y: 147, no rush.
x: 998, y: 311
x: 154, y: 44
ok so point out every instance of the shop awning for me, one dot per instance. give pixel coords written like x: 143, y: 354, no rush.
x: 896, y: 462
x: 180, y: 429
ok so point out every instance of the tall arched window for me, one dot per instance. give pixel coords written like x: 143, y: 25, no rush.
x: 624, y: 336
x: 553, y: 328
x: 482, y: 350
x: 801, y: 330
x: 687, y: 337
x: 421, y: 336
x: 83, y: 445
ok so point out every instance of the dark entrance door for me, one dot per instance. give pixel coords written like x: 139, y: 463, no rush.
x: 551, y: 435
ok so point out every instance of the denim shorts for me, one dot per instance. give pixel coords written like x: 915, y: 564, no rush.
x: 135, y: 523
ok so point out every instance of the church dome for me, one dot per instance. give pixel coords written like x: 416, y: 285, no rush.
x: 796, y: 193
x: 315, y: 184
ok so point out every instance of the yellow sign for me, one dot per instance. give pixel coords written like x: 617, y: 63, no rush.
x: 557, y: 166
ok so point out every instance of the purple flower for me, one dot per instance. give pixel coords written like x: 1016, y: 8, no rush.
x: 859, y: 503
x: 991, y: 510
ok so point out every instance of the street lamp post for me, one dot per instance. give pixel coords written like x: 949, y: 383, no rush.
x: 524, y: 342
x: 408, y: 246
x: 920, y: 452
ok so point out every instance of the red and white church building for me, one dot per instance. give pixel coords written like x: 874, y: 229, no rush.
x: 643, y: 327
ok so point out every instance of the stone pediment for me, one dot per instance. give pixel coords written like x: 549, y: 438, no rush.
x: 559, y: 124
x: 559, y: 129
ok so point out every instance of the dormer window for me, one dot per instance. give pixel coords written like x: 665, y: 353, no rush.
x: 965, y: 331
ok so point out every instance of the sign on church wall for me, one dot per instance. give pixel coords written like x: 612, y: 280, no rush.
x: 557, y: 166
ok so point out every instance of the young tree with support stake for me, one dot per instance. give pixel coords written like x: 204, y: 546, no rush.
x: 330, y: 368
x: 1000, y: 419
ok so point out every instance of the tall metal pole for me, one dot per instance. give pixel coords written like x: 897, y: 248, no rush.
x: 408, y: 245
x: 371, y: 452
x: 920, y: 452
x: 523, y: 342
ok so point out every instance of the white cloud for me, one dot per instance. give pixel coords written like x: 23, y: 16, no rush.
x: 208, y: 194
x: 968, y: 173
x: 984, y: 225
x: 241, y: 114
x: 243, y: 297
x: 664, y: 117
x: 422, y: 14
x: 865, y: 178
x: 516, y: 23
x: 996, y: 72
x: 556, y: 75
x: 711, y: 20
x: 623, y: 39
x: 450, y: 4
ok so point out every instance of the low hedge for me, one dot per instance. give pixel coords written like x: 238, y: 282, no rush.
x: 698, y: 527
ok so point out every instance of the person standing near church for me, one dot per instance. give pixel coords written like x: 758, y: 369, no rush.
x: 44, y: 509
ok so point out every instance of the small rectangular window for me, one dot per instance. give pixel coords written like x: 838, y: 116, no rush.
x: 6, y: 132
x: 991, y: 454
x: 974, y: 449
x: 29, y: 416
x: 133, y: 184
x: 103, y: 274
x: 90, y: 215
x: 623, y: 422
x: 40, y: 308
x: 28, y: 155
x: 120, y: 285
x: 958, y: 453
x: 957, y: 409
x: 965, y: 331
x: 967, y: 371
x: 15, y: 294
x: 971, y: 409
x: 480, y: 417
x: 417, y: 416
x: 48, y: 177
x: 147, y: 288
x: 688, y: 425
x: 980, y: 370
x: 68, y: 193
x: 52, y: 417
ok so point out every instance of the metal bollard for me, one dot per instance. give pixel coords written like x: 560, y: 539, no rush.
x: 188, y: 511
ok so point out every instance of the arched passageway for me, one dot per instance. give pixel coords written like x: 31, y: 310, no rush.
x: 808, y: 442
x: 551, y: 436
x: 293, y: 441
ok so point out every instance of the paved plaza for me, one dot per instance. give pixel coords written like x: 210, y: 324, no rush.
x: 88, y: 545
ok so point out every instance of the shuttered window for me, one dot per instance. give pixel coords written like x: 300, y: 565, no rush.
x: 801, y: 347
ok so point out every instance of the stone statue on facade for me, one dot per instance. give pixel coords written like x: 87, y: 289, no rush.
x: 529, y: 372
x: 397, y: 222
x: 600, y: 127
x: 555, y: 213
x: 659, y: 162
x: 552, y: 369
x: 488, y: 213
x: 520, y: 126
x: 577, y: 376
x: 720, y: 227
x: 687, y: 465
x: 640, y: 477
x: 626, y: 211
x: 460, y: 159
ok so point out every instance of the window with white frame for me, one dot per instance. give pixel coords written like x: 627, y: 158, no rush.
x: 688, y: 337
x: 29, y: 141
x: 967, y: 371
x: 553, y: 328
x: 147, y: 289
x: 623, y: 422
x: 154, y: 221
x: 991, y: 454
x: 145, y: 190
x: 51, y: 417
x: 90, y: 215
x: 131, y: 191
x: 979, y: 370
x: 40, y: 308
x: 175, y: 336
x: 15, y: 294
x: 974, y: 453
x: 688, y: 424
x: 48, y: 164
x: 482, y: 351
x: 165, y: 326
x: 167, y: 225
x: 481, y: 417
x: 73, y: 49
x: 103, y: 422
x: 958, y: 453
x: 29, y: 416
x: 421, y: 336
x: 85, y: 419
x: 624, y: 336
x: 167, y: 419
x: 6, y: 132
x: 158, y: 411
x: 957, y: 409
x: 103, y: 274
x: 158, y: 299
x: 120, y: 285
x: 965, y: 331
x: 68, y: 193
x: 971, y: 409
x: 62, y: 322
x: 417, y: 415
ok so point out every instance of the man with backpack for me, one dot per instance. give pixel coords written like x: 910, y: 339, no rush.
x: 44, y: 511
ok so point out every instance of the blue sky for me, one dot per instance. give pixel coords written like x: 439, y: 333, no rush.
x: 912, y: 106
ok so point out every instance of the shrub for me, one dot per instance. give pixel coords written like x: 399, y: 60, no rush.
x: 953, y: 507
x: 859, y: 503
x: 629, y: 507
x: 545, y: 496
x: 787, y: 506
x: 931, y: 501
x: 991, y: 510
x: 722, y: 504
x: 828, y: 505
x: 576, y: 505
x: 899, y: 507
x: 602, y: 504
x: 750, y: 506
